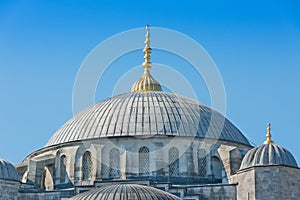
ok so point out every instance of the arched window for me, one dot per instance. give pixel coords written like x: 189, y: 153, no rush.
x: 47, y: 180
x: 202, y: 162
x: 216, y: 167
x: 114, y: 163
x: 87, y: 165
x: 63, y: 169
x: 173, y: 162
x: 144, y: 168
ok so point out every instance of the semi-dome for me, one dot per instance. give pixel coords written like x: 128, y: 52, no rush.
x: 126, y: 191
x: 8, y: 171
x: 148, y: 114
x: 268, y: 154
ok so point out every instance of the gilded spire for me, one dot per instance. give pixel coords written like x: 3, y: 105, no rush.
x: 146, y: 82
x: 268, y: 140
x: 147, y: 50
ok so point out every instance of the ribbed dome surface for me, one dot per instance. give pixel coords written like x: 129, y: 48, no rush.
x: 147, y: 113
x: 268, y: 154
x: 8, y: 171
x: 126, y: 192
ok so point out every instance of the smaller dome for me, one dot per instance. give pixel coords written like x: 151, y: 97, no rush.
x: 268, y: 154
x: 124, y: 192
x: 8, y: 171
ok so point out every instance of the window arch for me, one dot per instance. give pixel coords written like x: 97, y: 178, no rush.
x: 202, y: 162
x: 63, y: 169
x: 87, y: 165
x: 173, y: 162
x: 144, y: 165
x: 114, y: 163
x: 47, y: 180
x: 217, y: 167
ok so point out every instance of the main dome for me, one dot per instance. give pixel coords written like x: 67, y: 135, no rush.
x: 147, y: 114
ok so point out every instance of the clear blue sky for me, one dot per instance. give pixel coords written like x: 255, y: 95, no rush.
x: 255, y: 44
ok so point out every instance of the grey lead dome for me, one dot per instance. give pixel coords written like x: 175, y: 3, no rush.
x: 8, y: 171
x: 268, y: 154
x: 126, y: 192
x: 148, y: 114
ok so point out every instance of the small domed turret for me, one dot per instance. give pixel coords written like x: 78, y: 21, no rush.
x: 8, y: 171
x: 268, y: 154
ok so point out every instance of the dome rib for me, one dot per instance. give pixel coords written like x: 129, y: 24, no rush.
x: 144, y: 114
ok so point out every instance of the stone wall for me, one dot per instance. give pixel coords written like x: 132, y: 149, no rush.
x: 246, y: 184
x: 214, y: 191
x: 269, y: 183
x: 9, y: 189
x: 277, y: 182
x: 39, y: 196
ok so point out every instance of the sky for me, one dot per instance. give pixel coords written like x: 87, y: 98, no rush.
x: 254, y: 44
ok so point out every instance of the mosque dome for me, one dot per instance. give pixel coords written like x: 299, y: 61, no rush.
x: 268, y: 154
x: 8, y: 171
x: 148, y: 113
x: 126, y: 191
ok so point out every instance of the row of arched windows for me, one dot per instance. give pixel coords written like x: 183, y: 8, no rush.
x: 86, y: 167
x: 144, y: 163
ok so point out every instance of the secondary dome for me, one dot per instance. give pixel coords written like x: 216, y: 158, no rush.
x: 8, y: 171
x: 126, y: 192
x: 148, y: 114
x: 268, y: 154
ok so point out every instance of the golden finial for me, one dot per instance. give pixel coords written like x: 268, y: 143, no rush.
x: 147, y: 50
x: 146, y: 82
x: 268, y: 140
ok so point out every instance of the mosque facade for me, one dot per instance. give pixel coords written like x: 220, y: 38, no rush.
x: 151, y: 144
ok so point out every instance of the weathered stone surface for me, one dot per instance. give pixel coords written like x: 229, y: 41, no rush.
x: 269, y: 183
x: 9, y: 189
x: 214, y: 192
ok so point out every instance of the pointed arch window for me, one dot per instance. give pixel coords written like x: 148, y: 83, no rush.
x: 202, y: 162
x: 173, y: 162
x: 87, y: 165
x: 63, y: 169
x: 216, y: 167
x: 114, y: 163
x: 144, y: 165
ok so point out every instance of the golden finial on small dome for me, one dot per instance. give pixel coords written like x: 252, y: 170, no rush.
x: 268, y: 140
x: 146, y: 82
